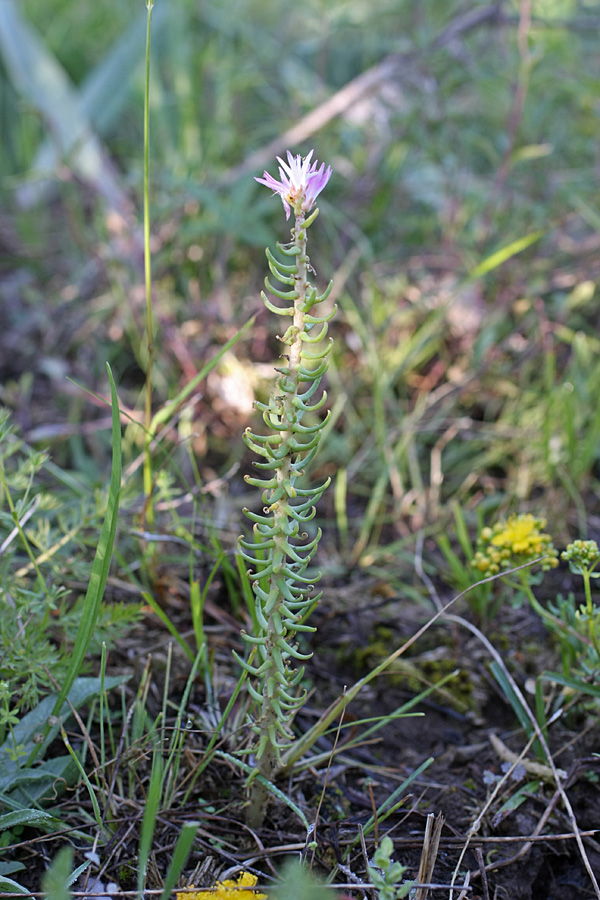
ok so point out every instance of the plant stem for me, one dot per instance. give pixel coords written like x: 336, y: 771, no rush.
x: 268, y: 758
x: 149, y: 508
x: 535, y: 603
x: 586, y: 573
x: 15, y: 517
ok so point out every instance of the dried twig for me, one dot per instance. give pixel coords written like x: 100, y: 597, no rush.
x: 431, y: 843
x: 366, y: 83
x: 539, y: 770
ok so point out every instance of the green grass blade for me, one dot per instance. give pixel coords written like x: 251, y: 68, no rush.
x: 507, y: 690
x: 180, y: 855
x: 37, y: 74
x: 101, y: 96
x: 100, y: 566
x: 210, y: 752
x: 575, y: 684
x: 197, y: 601
x: 380, y: 722
x: 178, y: 736
x: 250, y: 770
x: 104, y: 92
x: 521, y: 713
x: 405, y: 709
x: 197, y: 608
x: 459, y: 570
x: 159, y: 611
x: 164, y: 414
x: 505, y: 253
x: 461, y: 531
x: 389, y: 805
x: 149, y: 820
x: 84, y: 777
x: 371, y: 513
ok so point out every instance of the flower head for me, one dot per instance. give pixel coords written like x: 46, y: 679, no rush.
x: 301, y: 183
x: 514, y: 542
x: 581, y: 555
x: 227, y: 890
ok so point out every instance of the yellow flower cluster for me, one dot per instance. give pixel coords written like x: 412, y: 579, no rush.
x: 512, y: 543
x: 227, y: 890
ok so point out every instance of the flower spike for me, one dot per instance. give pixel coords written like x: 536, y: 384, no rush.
x: 281, y: 551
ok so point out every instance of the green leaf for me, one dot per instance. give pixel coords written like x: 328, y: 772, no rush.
x: 82, y: 690
x: 25, y: 817
x: 7, y: 885
x: 7, y: 868
x: 508, y: 691
x: 298, y: 883
x: 524, y: 793
x: 41, y: 784
x: 575, y: 684
x: 55, y: 882
x: 505, y: 253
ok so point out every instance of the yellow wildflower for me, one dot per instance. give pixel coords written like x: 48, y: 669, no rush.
x: 227, y: 890
x: 513, y: 542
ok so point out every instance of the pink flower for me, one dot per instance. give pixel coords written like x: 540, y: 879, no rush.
x: 301, y: 183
